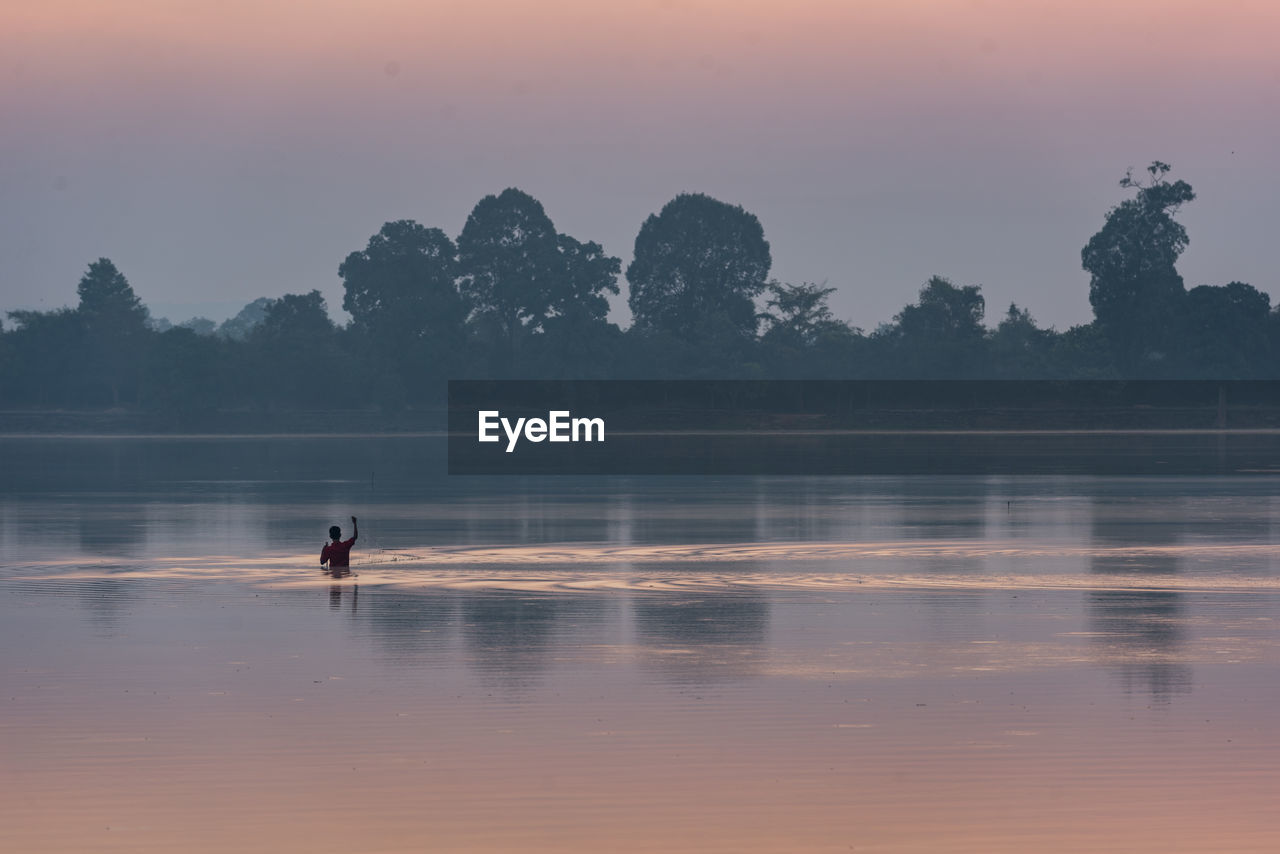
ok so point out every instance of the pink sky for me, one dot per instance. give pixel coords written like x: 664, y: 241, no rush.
x: 223, y: 151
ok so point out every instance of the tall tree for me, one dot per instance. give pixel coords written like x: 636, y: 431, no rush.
x: 699, y: 263
x: 508, y: 252
x: 115, y: 326
x: 587, y: 274
x: 108, y: 300
x: 519, y: 273
x: 402, y: 285
x: 406, y: 310
x: 1134, y: 286
x: 575, y: 339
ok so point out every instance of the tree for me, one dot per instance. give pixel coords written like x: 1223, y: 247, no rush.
x: 944, y: 312
x: 46, y: 357
x: 942, y: 334
x: 107, y: 299
x: 238, y: 328
x: 799, y: 314
x: 508, y: 251
x: 199, y: 325
x: 1081, y: 353
x: 296, y: 320
x: 297, y: 346
x: 402, y: 285
x: 115, y: 325
x: 406, y: 310
x: 1225, y: 332
x: 719, y: 351
x: 587, y: 274
x: 1134, y: 286
x: 1018, y: 348
x: 182, y: 374
x: 698, y: 263
x: 802, y: 338
x: 519, y: 273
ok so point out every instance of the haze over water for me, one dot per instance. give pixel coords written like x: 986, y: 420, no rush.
x: 561, y: 664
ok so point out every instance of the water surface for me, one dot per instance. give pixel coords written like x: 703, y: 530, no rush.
x: 589, y: 664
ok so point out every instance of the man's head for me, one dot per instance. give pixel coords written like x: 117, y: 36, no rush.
x: 335, y: 533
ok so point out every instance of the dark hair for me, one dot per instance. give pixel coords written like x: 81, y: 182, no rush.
x: 335, y: 532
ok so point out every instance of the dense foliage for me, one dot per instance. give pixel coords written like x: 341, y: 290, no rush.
x: 513, y: 297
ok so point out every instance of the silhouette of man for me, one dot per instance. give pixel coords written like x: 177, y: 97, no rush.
x: 338, y: 553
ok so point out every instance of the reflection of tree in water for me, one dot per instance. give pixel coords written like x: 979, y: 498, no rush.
x: 115, y: 530
x: 107, y: 600
x: 509, y: 636
x: 679, y: 520
x: 1143, y: 635
x: 1140, y: 633
x: 951, y: 509
x: 407, y: 625
x: 109, y: 531
x: 527, y: 512
x: 702, y: 638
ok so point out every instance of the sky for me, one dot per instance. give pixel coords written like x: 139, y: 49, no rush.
x: 223, y: 151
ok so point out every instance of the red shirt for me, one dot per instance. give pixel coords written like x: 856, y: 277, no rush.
x: 337, y: 553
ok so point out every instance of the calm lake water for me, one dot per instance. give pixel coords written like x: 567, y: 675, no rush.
x: 909, y: 664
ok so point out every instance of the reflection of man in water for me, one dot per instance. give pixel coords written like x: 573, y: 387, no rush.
x: 335, y: 590
x: 338, y: 553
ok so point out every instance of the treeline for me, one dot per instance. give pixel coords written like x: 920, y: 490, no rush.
x: 512, y: 297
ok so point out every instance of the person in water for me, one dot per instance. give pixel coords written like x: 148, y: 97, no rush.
x: 338, y: 553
